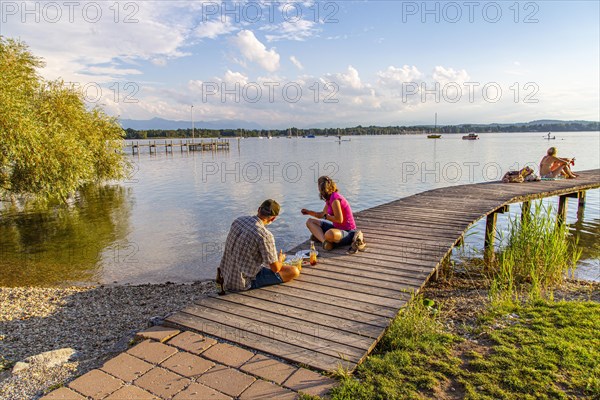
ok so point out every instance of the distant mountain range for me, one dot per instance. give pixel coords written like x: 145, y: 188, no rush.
x: 165, y: 124
x: 537, y: 122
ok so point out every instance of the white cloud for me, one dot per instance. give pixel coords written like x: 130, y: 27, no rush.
x: 446, y: 75
x: 235, y: 77
x: 215, y: 28
x: 112, y: 71
x: 297, y: 63
x: 145, y: 31
x: 292, y: 30
x: 254, y: 51
x: 394, y: 76
x: 350, y: 78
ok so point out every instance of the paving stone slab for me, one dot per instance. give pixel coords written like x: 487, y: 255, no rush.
x: 227, y: 380
x: 152, y: 352
x: 197, y: 391
x: 158, y: 333
x: 126, y: 367
x: 268, y: 368
x: 63, y: 393
x: 228, y: 354
x: 132, y: 393
x: 162, y: 383
x: 192, y: 342
x: 96, y: 384
x: 310, y: 382
x: 267, y: 390
x: 187, y: 364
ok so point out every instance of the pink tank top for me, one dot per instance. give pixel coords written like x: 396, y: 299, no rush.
x: 348, y: 223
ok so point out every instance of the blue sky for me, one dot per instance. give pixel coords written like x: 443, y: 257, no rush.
x: 350, y: 63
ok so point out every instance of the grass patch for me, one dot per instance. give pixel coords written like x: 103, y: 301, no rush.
x: 414, y: 357
x: 544, y: 349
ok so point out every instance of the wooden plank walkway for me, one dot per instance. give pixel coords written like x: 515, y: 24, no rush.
x: 336, y: 312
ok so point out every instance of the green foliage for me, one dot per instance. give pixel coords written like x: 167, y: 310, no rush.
x: 50, y: 144
x: 537, y: 255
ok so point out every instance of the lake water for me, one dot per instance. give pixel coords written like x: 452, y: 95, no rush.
x: 169, y: 221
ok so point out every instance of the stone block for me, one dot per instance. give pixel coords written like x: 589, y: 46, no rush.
x: 226, y: 380
x: 187, y: 364
x: 228, y: 354
x: 268, y: 368
x: 96, y: 384
x: 192, y: 342
x: 126, y: 367
x: 152, y: 352
x: 310, y: 382
x: 158, y: 333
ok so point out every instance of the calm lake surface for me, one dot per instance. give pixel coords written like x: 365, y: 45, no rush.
x: 169, y: 221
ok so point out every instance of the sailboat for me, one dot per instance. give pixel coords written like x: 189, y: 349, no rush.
x: 434, y: 135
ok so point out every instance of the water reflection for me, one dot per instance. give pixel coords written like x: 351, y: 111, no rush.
x: 65, y: 243
x: 587, y: 233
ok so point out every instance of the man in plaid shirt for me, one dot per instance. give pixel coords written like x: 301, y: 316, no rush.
x: 250, y: 259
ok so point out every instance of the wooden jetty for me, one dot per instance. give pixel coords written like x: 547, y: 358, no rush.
x: 334, y: 314
x: 168, y: 145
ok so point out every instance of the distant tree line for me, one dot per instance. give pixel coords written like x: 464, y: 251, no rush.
x: 362, y: 130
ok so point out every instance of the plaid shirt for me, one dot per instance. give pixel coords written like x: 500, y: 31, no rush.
x: 248, y: 248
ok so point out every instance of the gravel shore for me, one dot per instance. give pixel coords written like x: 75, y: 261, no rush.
x: 97, y: 322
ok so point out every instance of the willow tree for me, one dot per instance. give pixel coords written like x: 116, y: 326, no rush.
x: 50, y: 143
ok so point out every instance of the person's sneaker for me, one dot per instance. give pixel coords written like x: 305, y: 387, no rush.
x: 358, y: 243
x: 314, y: 239
x: 327, y: 245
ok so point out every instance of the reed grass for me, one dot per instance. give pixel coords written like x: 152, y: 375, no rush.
x: 536, y: 255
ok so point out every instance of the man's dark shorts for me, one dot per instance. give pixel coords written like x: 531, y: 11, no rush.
x: 266, y: 277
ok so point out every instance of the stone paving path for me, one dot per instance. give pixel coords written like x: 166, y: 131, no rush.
x: 170, y: 364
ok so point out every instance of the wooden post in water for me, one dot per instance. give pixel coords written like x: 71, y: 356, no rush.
x: 561, y: 216
x: 526, y: 211
x: 490, y: 233
x: 581, y: 205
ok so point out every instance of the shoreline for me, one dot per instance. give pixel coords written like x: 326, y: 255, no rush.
x: 99, y: 322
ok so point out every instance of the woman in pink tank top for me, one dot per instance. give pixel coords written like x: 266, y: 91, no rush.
x: 334, y: 226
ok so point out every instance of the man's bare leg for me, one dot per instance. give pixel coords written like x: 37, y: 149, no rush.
x: 289, y: 273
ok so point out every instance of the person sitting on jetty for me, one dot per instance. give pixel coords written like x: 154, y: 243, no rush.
x: 552, y: 166
x: 250, y: 260
x: 337, y: 227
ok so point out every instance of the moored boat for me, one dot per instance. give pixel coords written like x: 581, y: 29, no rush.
x: 471, y: 136
x: 434, y: 135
